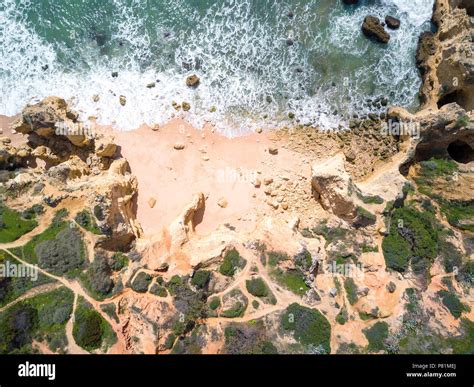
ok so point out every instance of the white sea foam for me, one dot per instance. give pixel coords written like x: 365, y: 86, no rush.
x: 248, y: 73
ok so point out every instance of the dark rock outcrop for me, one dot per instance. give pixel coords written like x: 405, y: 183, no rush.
x: 372, y: 28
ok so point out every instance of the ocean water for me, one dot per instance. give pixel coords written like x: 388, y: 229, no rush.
x: 250, y: 76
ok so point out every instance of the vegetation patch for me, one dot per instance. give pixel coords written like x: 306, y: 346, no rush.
x: 351, y: 290
x: 201, y: 278
x: 42, y: 318
x: 87, y: 221
x: 309, y: 327
x: 111, y: 311
x: 452, y: 302
x: 413, y: 238
x: 232, y: 262
x: 97, y: 279
x: 90, y: 330
x: 246, y: 338
x: 141, y: 282
x: 376, y: 336
x: 158, y: 290
x: 64, y: 254
x: 257, y: 287
x: 13, y: 224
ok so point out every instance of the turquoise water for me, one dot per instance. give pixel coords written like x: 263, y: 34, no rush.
x: 250, y: 75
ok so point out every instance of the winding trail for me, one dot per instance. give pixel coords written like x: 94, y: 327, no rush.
x: 32, y: 293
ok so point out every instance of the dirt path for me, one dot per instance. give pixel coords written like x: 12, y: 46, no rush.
x: 32, y: 293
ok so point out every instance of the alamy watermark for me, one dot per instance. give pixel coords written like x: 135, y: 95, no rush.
x: 18, y: 270
x: 75, y: 129
x: 401, y: 128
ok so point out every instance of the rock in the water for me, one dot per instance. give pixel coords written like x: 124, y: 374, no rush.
x: 372, y: 28
x: 123, y: 100
x: 193, y: 81
x: 151, y: 85
x: 350, y: 2
x: 392, y: 22
x: 186, y: 106
x: 178, y: 146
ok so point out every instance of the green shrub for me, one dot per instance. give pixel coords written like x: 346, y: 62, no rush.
x: 110, y: 310
x: 303, y: 260
x: 309, y: 326
x: 214, y: 303
x: 257, y: 287
x: 90, y: 330
x: 32, y: 212
x: 63, y: 255
x: 248, y: 339
x: 371, y: 199
x: 351, y: 290
x: 376, y: 336
x: 17, y: 327
x: 412, y: 234
x: 158, y: 290
x: 342, y: 316
x: 86, y: 221
x: 141, y: 282
x: 452, y: 302
x: 119, y: 261
x: 201, y: 278
x: 97, y: 279
x: 13, y: 225
x: 232, y: 262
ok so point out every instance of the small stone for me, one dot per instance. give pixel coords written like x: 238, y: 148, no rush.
x: 257, y: 183
x: 259, y: 130
x: 222, y: 202
x: 179, y: 146
x: 273, y: 203
x: 123, y: 100
x: 205, y: 158
x: 114, y: 74
x: 155, y: 128
x: 186, y: 106
x: 151, y: 202
x: 333, y: 292
x: 96, y: 97
x: 273, y: 150
x: 151, y: 85
x: 212, y: 109
x: 284, y: 205
x: 193, y: 81
x: 268, y: 181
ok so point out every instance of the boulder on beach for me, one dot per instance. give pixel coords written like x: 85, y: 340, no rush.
x: 372, y: 28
